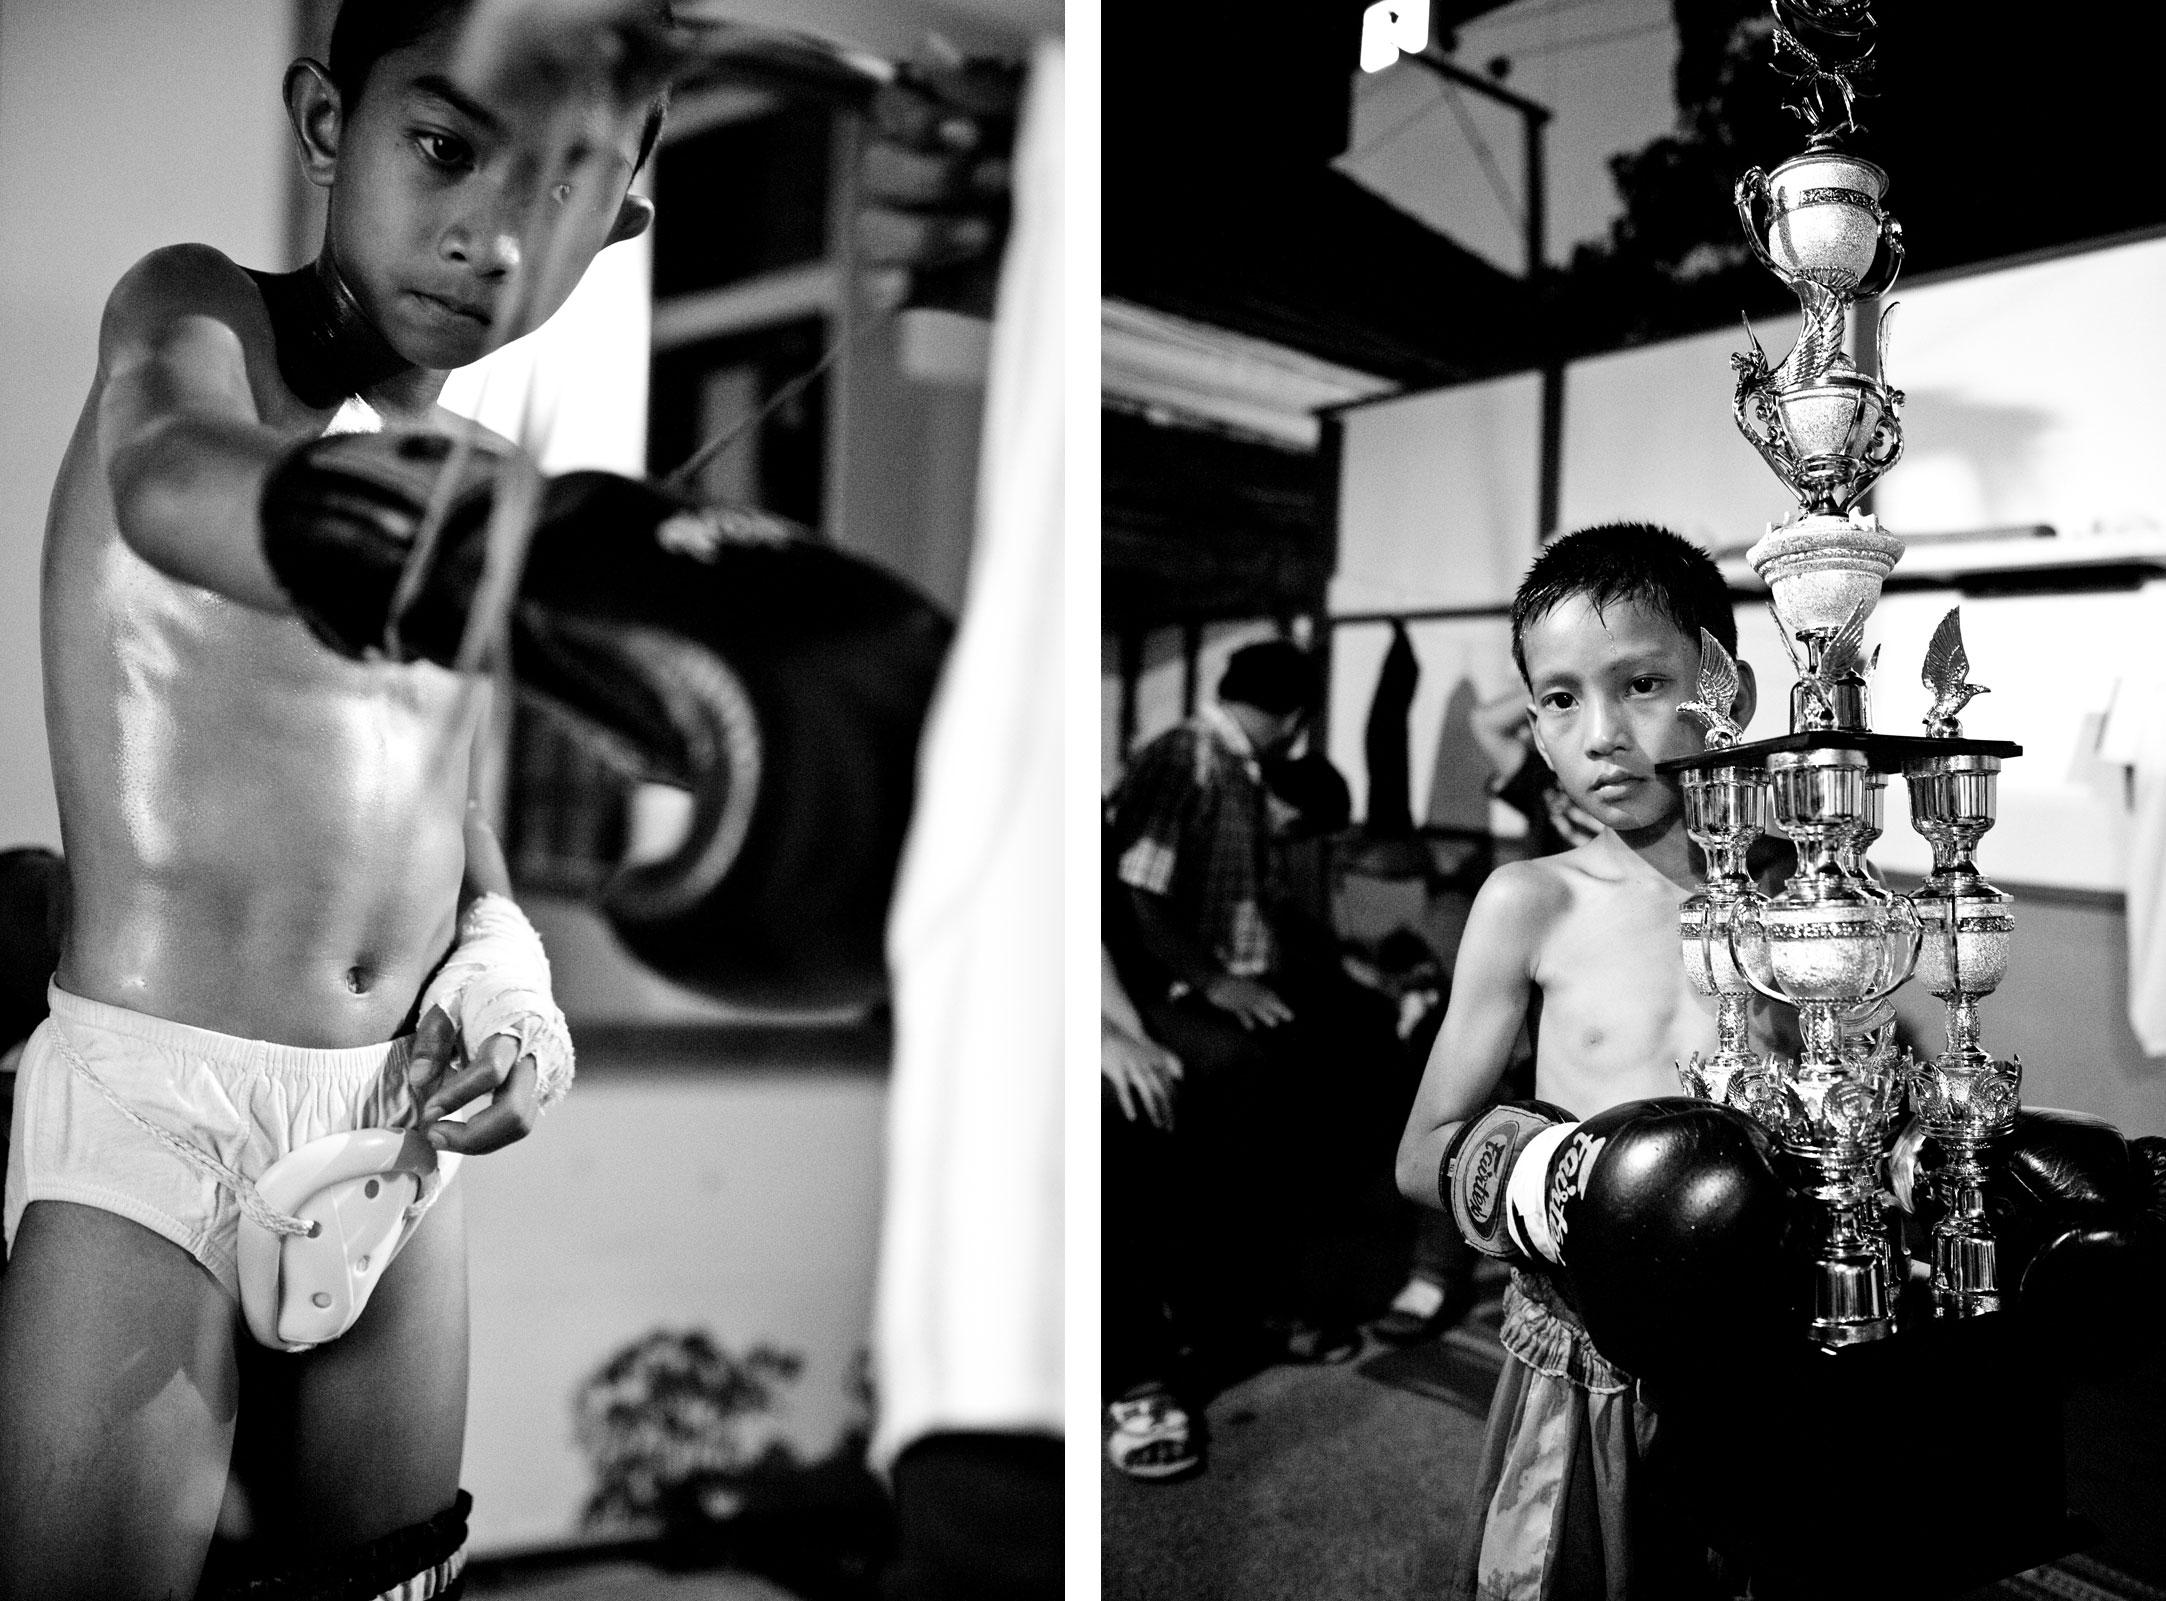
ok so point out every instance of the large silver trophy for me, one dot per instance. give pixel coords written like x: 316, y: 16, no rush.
x: 1834, y: 942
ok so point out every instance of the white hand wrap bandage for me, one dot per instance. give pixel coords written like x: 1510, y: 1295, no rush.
x: 496, y: 981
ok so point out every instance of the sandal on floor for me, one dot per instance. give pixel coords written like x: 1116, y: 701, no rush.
x: 1152, y: 1437
x: 1324, y: 1345
x: 1422, y: 1310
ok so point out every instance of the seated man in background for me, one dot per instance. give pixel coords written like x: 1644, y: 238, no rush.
x: 1281, y: 1066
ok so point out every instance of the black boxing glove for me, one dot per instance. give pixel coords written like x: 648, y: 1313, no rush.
x: 340, y: 518
x: 2079, y: 1213
x: 782, y: 682
x: 2053, y: 1172
x: 1665, y: 1221
x: 2095, y: 1289
x: 1673, y: 1228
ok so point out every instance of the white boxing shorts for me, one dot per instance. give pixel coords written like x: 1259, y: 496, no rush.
x: 242, y: 1103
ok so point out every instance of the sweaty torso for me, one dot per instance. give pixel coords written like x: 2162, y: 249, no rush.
x: 263, y: 838
x: 1617, y: 1011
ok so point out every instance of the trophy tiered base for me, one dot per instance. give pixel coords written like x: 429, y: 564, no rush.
x: 1834, y: 1116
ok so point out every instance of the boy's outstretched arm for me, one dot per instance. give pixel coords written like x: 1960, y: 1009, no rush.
x: 180, y: 434
x: 1492, y: 983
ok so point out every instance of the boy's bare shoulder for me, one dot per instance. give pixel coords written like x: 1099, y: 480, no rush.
x: 1524, y: 896
x: 177, y: 281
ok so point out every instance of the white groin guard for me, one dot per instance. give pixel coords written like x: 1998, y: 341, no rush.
x: 363, y: 1191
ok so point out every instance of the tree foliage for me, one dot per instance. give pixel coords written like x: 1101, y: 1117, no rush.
x: 2000, y: 136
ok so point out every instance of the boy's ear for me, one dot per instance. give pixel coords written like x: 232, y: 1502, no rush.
x: 633, y: 218
x: 1534, y: 728
x: 1748, y: 695
x: 312, y: 106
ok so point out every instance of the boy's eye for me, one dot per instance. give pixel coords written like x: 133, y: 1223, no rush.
x: 442, y: 149
x: 1555, y: 701
x: 1646, y: 684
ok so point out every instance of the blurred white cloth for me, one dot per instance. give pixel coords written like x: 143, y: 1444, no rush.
x: 967, y: 1323
x: 2134, y: 736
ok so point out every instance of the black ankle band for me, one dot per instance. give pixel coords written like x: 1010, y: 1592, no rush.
x: 408, y: 1556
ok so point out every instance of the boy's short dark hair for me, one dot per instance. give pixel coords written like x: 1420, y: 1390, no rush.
x: 368, y: 30
x: 1273, y: 675
x: 1614, y: 562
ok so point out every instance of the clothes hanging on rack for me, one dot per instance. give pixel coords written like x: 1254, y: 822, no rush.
x: 1391, y: 808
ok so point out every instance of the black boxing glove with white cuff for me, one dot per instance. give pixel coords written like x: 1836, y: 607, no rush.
x: 1663, y: 1220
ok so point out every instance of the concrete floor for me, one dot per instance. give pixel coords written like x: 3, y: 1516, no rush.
x: 1348, y: 1484
x: 1322, y: 1483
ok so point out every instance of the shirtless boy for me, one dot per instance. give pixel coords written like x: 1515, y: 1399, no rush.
x: 1581, y: 949
x: 1584, y: 943
x: 270, y: 851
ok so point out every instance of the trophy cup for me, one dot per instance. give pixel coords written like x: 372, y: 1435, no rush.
x: 1835, y: 942
x: 1818, y: 218
x: 1725, y: 811
x: 1963, y: 1097
x: 1826, y: 429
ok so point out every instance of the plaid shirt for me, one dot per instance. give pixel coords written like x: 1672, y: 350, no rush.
x: 1188, y: 822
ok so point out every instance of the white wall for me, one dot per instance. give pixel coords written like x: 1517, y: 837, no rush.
x: 2032, y: 396
x: 2035, y: 396
x: 1648, y: 438
x: 1438, y: 497
x: 123, y: 126
x: 745, y: 1203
